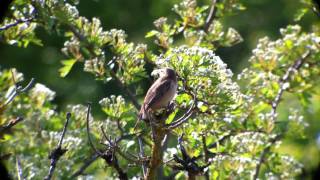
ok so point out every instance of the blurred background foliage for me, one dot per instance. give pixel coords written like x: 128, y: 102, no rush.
x: 261, y: 18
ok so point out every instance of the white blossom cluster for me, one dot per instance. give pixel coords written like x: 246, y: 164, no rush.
x: 249, y: 142
x: 205, y: 73
x: 42, y: 93
x: 113, y: 106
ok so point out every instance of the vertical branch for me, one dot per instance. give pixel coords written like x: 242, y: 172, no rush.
x: 19, y: 169
x: 264, y: 154
x: 57, y: 152
x: 141, y: 154
x: 157, y: 152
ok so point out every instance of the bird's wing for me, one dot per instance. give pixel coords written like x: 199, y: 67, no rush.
x: 157, y: 92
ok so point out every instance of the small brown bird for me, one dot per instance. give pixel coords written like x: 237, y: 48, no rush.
x: 160, y: 93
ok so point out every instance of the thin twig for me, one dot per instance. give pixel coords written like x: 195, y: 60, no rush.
x: 141, y: 155
x: 19, y: 169
x: 114, y: 146
x: 18, y: 90
x: 211, y: 16
x: 183, y: 118
x: 109, y: 155
x: 57, y: 152
x: 88, y: 132
x: 11, y: 123
x: 264, y: 154
x: 20, y: 21
x: 294, y: 67
x: 85, y: 166
x: 187, y: 163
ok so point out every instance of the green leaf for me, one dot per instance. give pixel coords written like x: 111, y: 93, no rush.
x: 66, y: 68
x: 300, y: 14
x: 171, y: 116
x: 151, y: 33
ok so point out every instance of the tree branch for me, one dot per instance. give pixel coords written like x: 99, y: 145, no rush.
x: 285, y: 79
x: 57, y: 152
x: 185, y: 116
x: 20, y: 21
x: 19, y: 169
x: 11, y: 123
x: 18, y: 90
x: 141, y: 155
x: 264, y: 154
x: 296, y: 66
x: 86, y: 164
x: 109, y: 155
x: 158, y: 133
x: 187, y: 163
x: 211, y: 16
x: 112, y: 73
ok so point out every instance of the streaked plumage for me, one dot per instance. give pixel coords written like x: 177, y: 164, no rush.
x: 160, y: 93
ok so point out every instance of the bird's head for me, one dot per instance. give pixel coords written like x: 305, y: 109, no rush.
x: 164, y: 73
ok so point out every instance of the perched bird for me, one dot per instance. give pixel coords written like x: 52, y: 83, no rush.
x: 160, y: 93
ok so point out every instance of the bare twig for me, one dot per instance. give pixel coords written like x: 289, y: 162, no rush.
x: 294, y: 67
x: 264, y: 154
x: 108, y: 155
x: 211, y: 16
x: 85, y: 165
x: 12, y: 123
x: 18, y: 90
x: 187, y: 163
x: 183, y: 118
x: 141, y: 155
x: 57, y: 152
x: 114, y: 147
x: 20, y: 21
x: 219, y: 141
x: 19, y: 169
x: 88, y: 132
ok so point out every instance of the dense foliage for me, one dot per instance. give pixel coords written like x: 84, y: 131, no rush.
x: 221, y: 126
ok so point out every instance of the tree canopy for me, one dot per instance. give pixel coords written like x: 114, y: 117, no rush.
x: 257, y: 120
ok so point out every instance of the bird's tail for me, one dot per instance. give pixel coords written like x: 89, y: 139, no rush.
x: 141, y: 116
